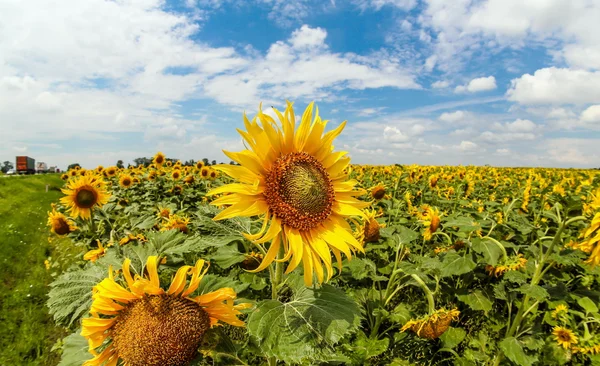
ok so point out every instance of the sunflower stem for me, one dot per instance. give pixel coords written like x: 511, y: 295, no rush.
x: 277, y: 274
x: 428, y: 293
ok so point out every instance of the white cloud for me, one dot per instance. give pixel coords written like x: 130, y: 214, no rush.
x: 393, y: 134
x: 591, y: 114
x: 520, y: 125
x: 440, y: 84
x: 556, y: 86
x: 453, y: 117
x: 308, y: 37
x: 572, y: 151
x: 478, y: 85
x: 467, y: 146
x: 503, y: 152
x: 287, y: 71
x: 378, y: 4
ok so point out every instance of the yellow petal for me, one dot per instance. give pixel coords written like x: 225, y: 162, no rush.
x: 296, y: 248
x: 270, y: 256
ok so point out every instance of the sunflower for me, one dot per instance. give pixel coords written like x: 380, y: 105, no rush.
x: 110, y: 171
x: 294, y: 179
x: 176, y: 174
x: 64, y: 176
x: 199, y: 165
x: 189, y: 179
x: 82, y: 194
x: 560, y: 311
x: 205, y: 172
x: 510, y: 264
x: 378, y: 192
x: 431, y: 221
x: 152, y: 175
x: 432, y: 326
x: 176, y: 222
x: 368, y: 232
x: 94, y: 254
x: 143, y: 324
x: 99, y: 169
x: 125, y: 180
x: 564, y: 337
x: 59, y: 223
x: 159, y: 159
x: 213, y: 174
x: 164, y: 212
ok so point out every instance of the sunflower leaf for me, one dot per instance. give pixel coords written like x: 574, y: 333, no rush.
x: 307, y: 326
x: 455, y: 264
x: 75, y: 350
x: 71, y: 294
x: 476, y: 301
x: 514, y: 351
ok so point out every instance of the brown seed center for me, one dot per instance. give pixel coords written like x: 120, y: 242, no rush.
x: 299, y: 191
x: 86, y: 197
x: 159, y: 330
x: 61, y: 226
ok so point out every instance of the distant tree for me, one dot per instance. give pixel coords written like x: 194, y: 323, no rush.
x: 72, y: 166
x: 205, y: 161
x: 6, y: 166
x: 214, y: 162
x: 190, y: 162
x: 120, y: 164
x: 142, y: 161
x: 231, y: 162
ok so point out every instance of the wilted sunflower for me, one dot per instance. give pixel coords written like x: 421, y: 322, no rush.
x: 59, y: 223
x: 432, y: 326
x: 125, y: 180
x: 159, y: 159
x: 292, y: 177
x: 368, y: 232
x: 82, y: 194
x: 142, y: 324
x: 94, y: 254
x: 564, y: 337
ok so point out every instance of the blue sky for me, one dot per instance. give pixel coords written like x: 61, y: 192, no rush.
x: 500, y: 82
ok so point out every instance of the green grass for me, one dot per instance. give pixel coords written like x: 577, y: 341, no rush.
x: 27, y: 331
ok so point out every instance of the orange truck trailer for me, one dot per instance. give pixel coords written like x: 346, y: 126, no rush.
x: 25, y: 165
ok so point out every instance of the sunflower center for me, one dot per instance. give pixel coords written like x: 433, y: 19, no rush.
x: 159, y: 330
x: 61, y: 226
x: 126, y: 182
x: 86, y: 197
x: 299, y: 191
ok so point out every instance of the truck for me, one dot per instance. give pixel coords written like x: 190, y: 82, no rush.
x: 25, y: 165
x: 41, y: 167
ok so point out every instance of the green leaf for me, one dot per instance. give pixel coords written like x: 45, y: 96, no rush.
x: 514, y: 351
x: 455, y: 264
x: 537, y: 292
x: 143, y: 223
x: 70, y: 296
x: 588, y: 305
x: 75, y: 350
x: 406, y: 235
x: 361, y: 268
x: 516, y: 277
x: 365, y: 348
x: 463, y: 223
x: 476, y: 301
x: 226, y: 257
x: 401, y: 314
x: 452, y: 337
x: 306, y: 326
x: 489, y: 250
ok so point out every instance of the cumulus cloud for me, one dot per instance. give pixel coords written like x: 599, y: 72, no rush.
x: 591, y: 114
x: 477, y: 85
x: 453, y: 117
x: 393, y: 134
x: 440, y: 84
x: 556, y: 86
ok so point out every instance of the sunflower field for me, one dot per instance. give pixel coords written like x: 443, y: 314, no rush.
x: 293, y: 256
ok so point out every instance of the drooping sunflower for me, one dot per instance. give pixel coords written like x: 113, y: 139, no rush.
x: 94, y: 254
x: 564, y: 337
x: 59, y: 223
x: 143, y: 324
x: 292, y: 177
x: 368, y: 231
x: 82, y: 194
x: 159, y: 159
x: 514, y: 263
x: 125, y: 180
x: 432, y: 326
x: 176, y: 222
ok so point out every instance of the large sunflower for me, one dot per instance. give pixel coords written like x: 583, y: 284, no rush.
x: 82, y: 194
x: 292, y: 177
x: 146, y: 325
